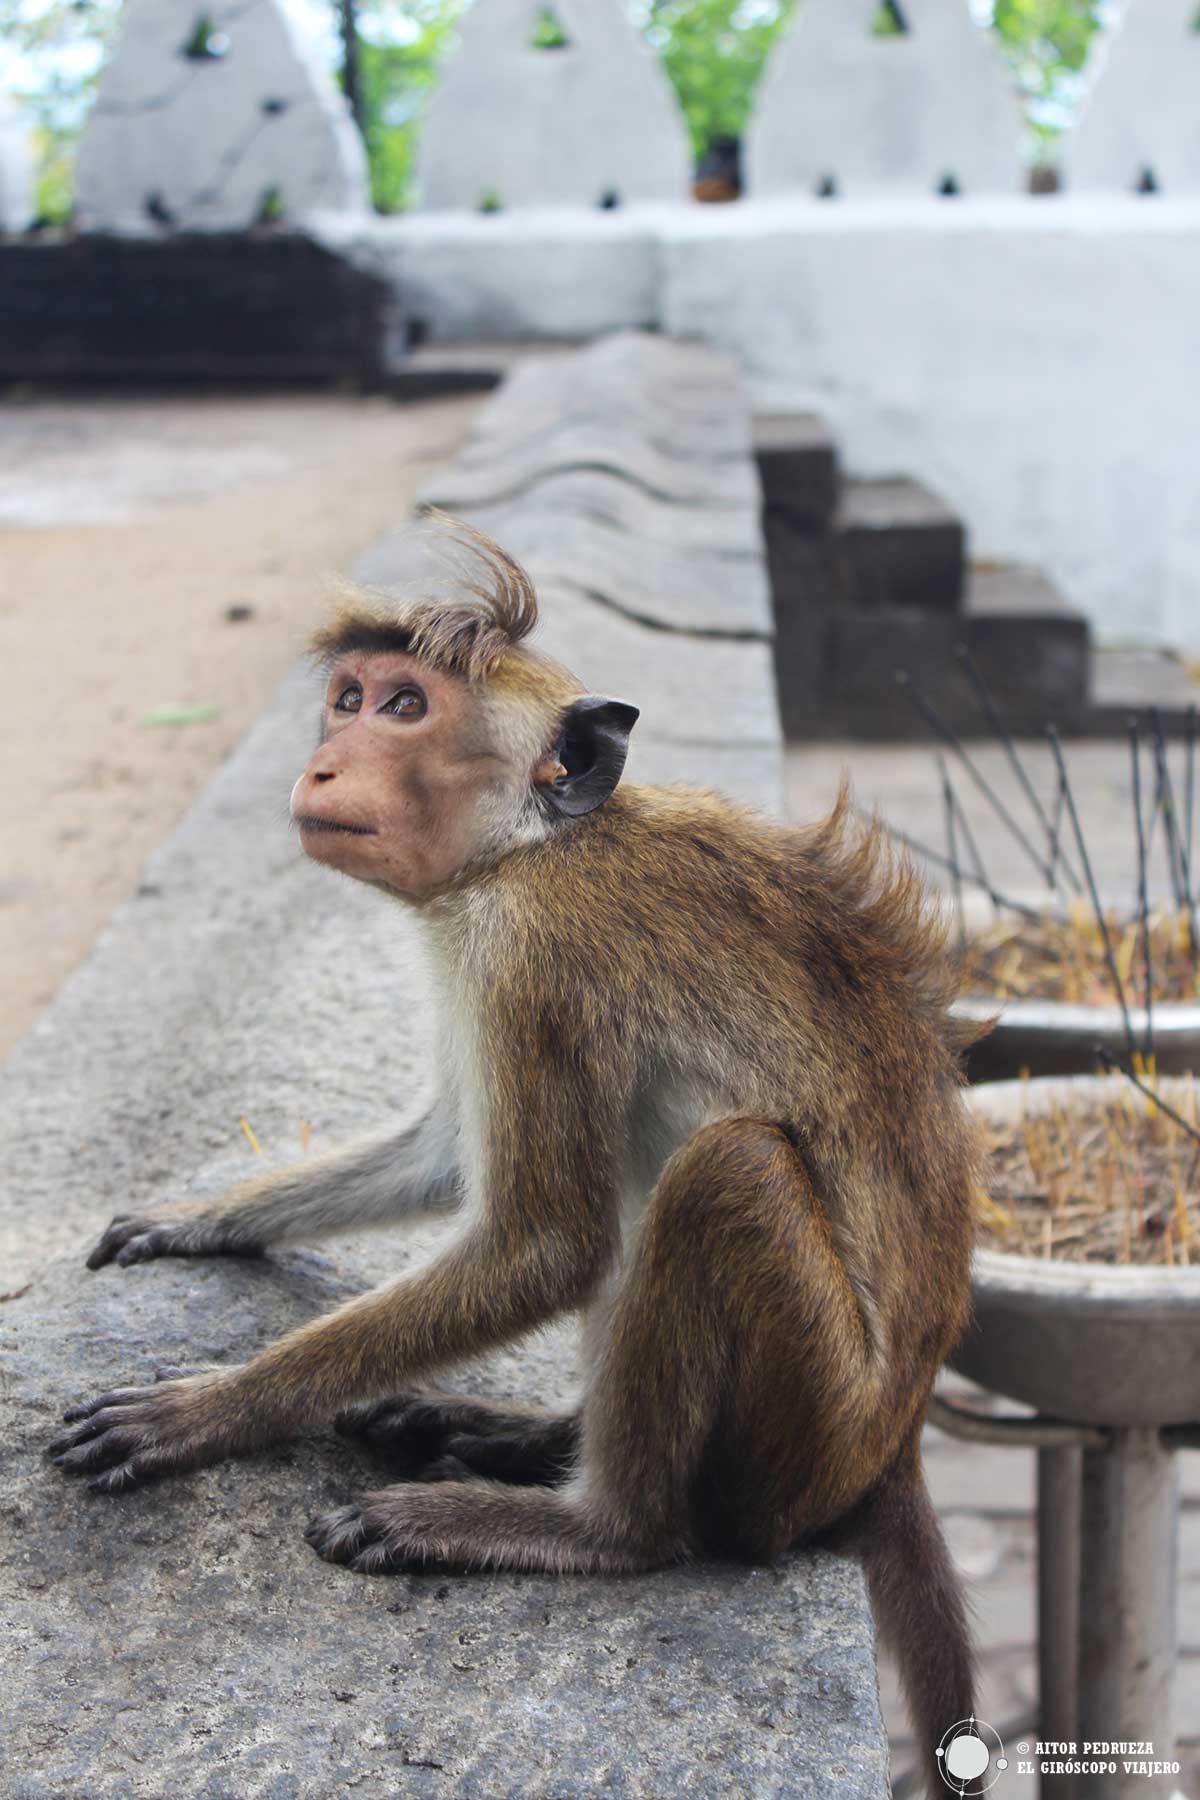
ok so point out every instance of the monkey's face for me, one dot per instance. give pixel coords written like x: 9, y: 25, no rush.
x: 409, y: 776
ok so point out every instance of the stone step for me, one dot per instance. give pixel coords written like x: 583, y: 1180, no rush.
x: 884, y: 545
x: 1130, y: 680
x: 806, y: 594
x: 1030, y: 648
x: 664, y: 585
x: 625, y: 472
x: 417, y: 370
x: 798, y: 468
x: 490, y: 475
x: 880, y: 543
x: 899, y: 544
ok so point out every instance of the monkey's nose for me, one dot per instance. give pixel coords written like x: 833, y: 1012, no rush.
x: 322, y: 774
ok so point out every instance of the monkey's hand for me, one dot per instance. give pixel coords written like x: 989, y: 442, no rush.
x: 138, y: 1237
x: 132, y: 1434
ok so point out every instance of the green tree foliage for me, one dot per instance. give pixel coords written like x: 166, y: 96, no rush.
x: 403, y: 45
x: 548, y: 33
x: 714, y: 51
x: 50, y: 57
x: 889, y: 20
x: 1047, y: 44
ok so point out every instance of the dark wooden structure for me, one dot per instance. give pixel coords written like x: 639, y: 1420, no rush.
x: 246, y: 306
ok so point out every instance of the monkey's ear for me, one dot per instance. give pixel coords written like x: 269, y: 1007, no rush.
x: 592, y: 751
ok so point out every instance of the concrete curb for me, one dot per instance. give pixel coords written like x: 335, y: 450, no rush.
x: 183, y: 1640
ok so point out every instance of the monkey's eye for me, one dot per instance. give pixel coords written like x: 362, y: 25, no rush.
x: 350, y: 699
x: 409, y: 703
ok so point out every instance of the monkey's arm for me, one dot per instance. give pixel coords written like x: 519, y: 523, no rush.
x: 413, y: 1170
x: 487, y: 1289
x: 544, y: 1230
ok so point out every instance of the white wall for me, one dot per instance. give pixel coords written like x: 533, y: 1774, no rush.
x: 1038, y: 361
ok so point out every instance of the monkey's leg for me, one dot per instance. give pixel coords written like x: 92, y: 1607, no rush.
x: 444, y: 1437
x: 734, y: 1359
x: 408, y: 1171
x: 737, y: 1402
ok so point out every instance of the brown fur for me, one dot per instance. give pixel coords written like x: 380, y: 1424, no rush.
x: 473, y: 638
x: 742, y: 1025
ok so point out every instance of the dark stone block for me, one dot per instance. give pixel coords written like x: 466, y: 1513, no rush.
x: 1127, y: 680
x: 1030, y: 647
x: 1031, y: 651
x: 433, y: 381
x: 805, y: 592
x: 798, y: 468
x: 900, y: 546
x: 262, y: 306
x: 868, y: 651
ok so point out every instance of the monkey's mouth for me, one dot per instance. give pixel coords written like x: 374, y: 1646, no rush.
x: 307, y: 823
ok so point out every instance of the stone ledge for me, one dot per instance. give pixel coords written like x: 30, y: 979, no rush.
x: 184, y: 1640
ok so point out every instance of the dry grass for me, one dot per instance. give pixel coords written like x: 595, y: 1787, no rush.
x: 1064, y: 959
x: 1114, y: 1180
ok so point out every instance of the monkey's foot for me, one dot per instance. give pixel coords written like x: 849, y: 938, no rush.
x: 133, y: 1238
x: 431, y: 1437
x: 370, y: 1536
x: 473, y: 1525
x: 132, y: 1434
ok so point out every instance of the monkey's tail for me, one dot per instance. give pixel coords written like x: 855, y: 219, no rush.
x: 919, y: 1605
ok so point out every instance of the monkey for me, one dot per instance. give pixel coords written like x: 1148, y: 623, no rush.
x: 697, y: 1081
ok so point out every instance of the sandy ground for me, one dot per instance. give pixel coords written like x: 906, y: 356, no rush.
x: 128, y: 528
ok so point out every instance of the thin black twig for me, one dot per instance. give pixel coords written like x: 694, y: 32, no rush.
x: 997, y: 899
x: 1090, y: 876
x: 949, y: 808
x: 992, y: 714
x: 963, y: 824
x: 1119, y: 1068
x: 1162, y: 776
x: 1143, y: 894
x: 1181, y: 873
x: 1189, y: 781
x: 1056, y: 829
x: 951, y: 739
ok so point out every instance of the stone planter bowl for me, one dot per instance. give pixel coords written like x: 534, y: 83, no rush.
x: 1059, y: 1037
x: 1095, y: 1344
